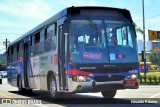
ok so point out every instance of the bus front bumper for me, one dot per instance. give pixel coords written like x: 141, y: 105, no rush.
x: 127, y: 84
x: 94, y: 86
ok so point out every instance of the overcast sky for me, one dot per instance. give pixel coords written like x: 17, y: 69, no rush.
x: 19, y: 16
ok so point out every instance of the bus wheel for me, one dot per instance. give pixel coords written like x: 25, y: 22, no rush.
x: 52, y: 87
x: 109, y: 94
x: 21, y: 90
x: 28, y: 91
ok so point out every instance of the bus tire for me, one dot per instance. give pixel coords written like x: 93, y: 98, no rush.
x: 28, y: 91
x: 0, y: 81
x: 53, y: 88
x: 21, y: 90
x: 109, y: 94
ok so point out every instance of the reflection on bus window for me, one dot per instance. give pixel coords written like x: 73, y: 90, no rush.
x: 89, y: 38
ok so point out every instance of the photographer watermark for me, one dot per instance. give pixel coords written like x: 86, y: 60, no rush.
x: 20, y: 101
x: 145, y: 101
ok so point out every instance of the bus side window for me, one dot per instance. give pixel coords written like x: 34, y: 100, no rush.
x: 42, y: 32
x: 41, y: 43
x: 37, y: 40
x: 32, y: 45
x: 50, y: 39
x: 8, y: 58
x: 17, y: 51
x: 46, y: 42
x: 11, y: 54
x: 21, y: 49
x: 14, y: 52
x: 54, y: 37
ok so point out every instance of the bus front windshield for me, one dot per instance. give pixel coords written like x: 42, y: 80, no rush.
x: 102, y: 41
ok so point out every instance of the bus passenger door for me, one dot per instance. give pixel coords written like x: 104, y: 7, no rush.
x: 26, y: 64
x: 61, y: 59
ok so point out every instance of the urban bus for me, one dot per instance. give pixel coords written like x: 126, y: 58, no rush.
x: 71, y: 52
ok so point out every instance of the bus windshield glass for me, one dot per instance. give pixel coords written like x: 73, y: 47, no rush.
x: 102, y: 41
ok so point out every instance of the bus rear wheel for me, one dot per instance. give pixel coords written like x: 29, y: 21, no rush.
x: 109, y: 94
x: 52, y: 87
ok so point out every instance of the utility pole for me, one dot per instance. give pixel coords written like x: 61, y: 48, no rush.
x: 6, y: 43
x: 144, y: 45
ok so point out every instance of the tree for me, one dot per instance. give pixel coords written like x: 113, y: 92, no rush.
x: 140, y: 58
x: 2, y: 61
x: 154, y: 57
x: 138, y: 29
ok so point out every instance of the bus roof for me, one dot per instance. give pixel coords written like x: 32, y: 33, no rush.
x: 62, y: 14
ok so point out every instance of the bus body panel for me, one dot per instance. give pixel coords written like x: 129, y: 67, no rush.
x: 35, y: 72
x: 41, y: 65
x: 46, y: 66
x: 15, y: 69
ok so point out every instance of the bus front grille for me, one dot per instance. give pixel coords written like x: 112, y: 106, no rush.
x: 106, y: 78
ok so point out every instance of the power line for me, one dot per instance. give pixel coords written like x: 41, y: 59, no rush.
x: 11, y: 34
x: 148, y: 17
x: 153, y: 24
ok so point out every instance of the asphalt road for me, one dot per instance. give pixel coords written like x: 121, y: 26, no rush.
x: 123, y: 98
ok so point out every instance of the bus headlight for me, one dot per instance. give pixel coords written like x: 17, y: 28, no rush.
x: 134, y: 76
x: 80, y: 78
x: 83, y: 78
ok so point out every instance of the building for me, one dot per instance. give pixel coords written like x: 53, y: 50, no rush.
x: 148, y: 46
x: 140, y: 46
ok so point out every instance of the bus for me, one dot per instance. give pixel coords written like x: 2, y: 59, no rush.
x: 71, y: 53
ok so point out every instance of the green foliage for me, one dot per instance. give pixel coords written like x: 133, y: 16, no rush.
x: 152, y: 74
x: 154, y: 67
x: 147, y: 58
x: 153, y: 70
x: 140, y: 58
x: 138, y: 29
x: 151, y: 77
x: 2, y: 62
x: 2, y: 67
x: 154, y: 57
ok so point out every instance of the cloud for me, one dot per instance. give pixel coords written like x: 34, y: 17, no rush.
x: 26, y: 9
x: 21, y: 16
